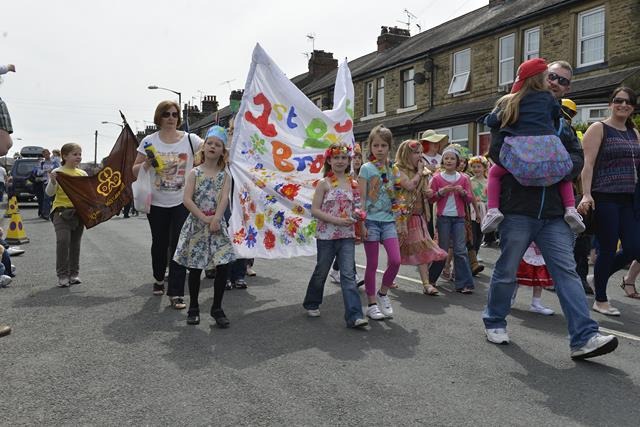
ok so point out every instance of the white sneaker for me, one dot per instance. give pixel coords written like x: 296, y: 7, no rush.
x: 13, y: 269
x: 75, y: 281
x: 313, y: 313
x: 574, y: 219
x: 15, y: 251
x: 497, y: 336
x: 5, y: 281
x: 384, y: 302
x: 374, y: 313
x: 335, y: 275
x: 540, y: 309
x: 63, y: 283
x: 359, y: 323
x: 491, y: 220
x: 596, y: 346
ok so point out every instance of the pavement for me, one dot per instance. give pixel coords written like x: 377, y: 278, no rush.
x: 108, y: 352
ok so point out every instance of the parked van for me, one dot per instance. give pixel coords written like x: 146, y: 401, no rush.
x: 31, y: 151
x: 22, y: 188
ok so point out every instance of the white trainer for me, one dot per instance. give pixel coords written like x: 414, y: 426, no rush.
x: 497, y: 336
x: 75, y: 280
x: 574, y: 219
x: 596, y: 346
x: 313, y: 313
x: 491, y: 220
x: 335, y: 275
x: 384, y: 302
x: 63, y: 283
x: 374, y: 313
x: 359, y: 323
x: 5, y: 281
x: 541, y: 309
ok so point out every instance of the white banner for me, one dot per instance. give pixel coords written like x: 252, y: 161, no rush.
x: 277, y: 154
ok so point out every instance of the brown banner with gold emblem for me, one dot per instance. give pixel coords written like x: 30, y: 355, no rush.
x: 99, y: 197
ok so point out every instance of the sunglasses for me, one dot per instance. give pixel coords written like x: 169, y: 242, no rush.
x: 173, y: 114
x: 562, y: 81
x: 620, y: 101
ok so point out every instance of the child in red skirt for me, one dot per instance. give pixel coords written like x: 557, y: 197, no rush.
x: 533, y: 272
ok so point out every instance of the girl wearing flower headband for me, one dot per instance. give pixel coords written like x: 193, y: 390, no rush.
x: 479, y: 166
x: 336, y: 204
x: 378, y: 182
x: 416, y: 246
x: 531, y: 151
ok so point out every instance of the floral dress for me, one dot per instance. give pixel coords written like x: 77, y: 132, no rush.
x: 197, y: 246
x: 341, y: 203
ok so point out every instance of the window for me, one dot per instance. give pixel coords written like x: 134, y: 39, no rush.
x: 318, y: 102
x: 461, y: 71
x: 484, y: 139
x: 457, y: 134
x: 380, y: 96
x: 506, y: 61
x: 408, y: 88
x: 591, y: 113
x: 368, y: 99
x: 531, y: 44
x: 591, y: 37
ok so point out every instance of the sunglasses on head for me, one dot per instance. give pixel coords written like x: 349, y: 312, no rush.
x: 620, y: 101
x: 562, y: 81
x: 168, y: 114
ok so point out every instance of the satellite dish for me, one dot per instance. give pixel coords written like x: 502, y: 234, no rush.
x: 419, y: 78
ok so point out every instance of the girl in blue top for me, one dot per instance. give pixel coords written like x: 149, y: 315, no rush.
x: 377, y: 181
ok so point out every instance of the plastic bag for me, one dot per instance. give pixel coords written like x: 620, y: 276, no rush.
x: 141, y: 187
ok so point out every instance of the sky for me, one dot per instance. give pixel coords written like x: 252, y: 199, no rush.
x: 79, y: 62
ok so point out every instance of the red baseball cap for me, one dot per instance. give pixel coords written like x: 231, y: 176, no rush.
x: 528, y: 69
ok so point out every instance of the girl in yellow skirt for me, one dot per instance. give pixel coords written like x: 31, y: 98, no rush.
x: 416, y: 246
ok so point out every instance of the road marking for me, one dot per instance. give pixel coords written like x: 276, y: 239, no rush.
x: 606, y: 330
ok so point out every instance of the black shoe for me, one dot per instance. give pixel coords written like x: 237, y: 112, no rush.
x: 360, y: 283
x: 587, y: 289
x: 126, y: 216
x: 158, y: 288
x: 228, y: 286
x: 240, y: 284
x: 193, y: 318
x: 221, y: 319
x: 210, y: 274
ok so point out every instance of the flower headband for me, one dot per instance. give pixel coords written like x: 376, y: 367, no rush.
x: 479, y: 159
x: 334, y: 151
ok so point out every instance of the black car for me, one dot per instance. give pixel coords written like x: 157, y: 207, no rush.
x: 22, y: 188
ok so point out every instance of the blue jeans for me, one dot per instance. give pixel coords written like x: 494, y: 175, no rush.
x: 238, y: 270
x: 344, y: 250
x: 555, y: 240
x: 46, y: 205
x: 615, y: 221
x: 451, y: 229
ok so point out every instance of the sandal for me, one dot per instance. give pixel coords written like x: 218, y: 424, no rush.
x: 430, y: 290
x: 634, y: 294
x: 177, y: 303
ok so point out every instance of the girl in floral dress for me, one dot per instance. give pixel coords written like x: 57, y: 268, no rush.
x: 416, y: 246
x: 204, y: 243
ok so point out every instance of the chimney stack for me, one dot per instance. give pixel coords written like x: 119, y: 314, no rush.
x: 321, y: 63
x: 209, y: 105
x: 391, y: 37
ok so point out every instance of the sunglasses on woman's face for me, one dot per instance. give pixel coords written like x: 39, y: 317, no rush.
x: 168, y: 114
x: 562, y: 81
x: 620, y: 101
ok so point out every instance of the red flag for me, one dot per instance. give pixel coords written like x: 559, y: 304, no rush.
x: 99, y: 197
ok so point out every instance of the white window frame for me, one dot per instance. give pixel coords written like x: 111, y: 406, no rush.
x: 581, y: 39
x: 460, y: 76
x: 380, y: 95
x: 584, y: 113
x: 449, y: 132
x: 405, y: 88
x: 502, y: 60
x: 369, y: 104
x: 526, y: 53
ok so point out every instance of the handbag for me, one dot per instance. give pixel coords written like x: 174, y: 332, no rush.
x: 142, y: 192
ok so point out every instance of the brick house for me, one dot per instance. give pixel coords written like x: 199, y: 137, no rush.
x: 448, y: 76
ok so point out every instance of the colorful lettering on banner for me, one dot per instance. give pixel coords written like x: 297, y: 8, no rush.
x: 292, y: 115
x: 346, y: 127
x: 316, y: 130
x: 280, y: 110
x: 262, y: 121
x: 281, y: 152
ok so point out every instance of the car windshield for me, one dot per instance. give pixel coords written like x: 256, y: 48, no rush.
x: 25, y: 168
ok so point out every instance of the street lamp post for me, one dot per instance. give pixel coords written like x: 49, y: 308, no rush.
x: 104, y: 122
x: 171, y: 90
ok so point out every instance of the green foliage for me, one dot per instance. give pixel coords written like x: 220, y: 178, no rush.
x: 636, y: 120
x: 580, y: 126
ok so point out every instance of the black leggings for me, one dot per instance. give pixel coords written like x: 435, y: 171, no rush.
x: 222, y: 273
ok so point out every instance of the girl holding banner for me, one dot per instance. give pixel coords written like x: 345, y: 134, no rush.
x: 171, y: 153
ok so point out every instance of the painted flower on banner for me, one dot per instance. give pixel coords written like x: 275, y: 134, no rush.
x: 250, y: 239
x: 259, y: 221
x: 292, y: 224
x: 269, y: 240
x: 239, y: 236
x: 278, y: 219
x: 290, y: 191
x: 297, y: 209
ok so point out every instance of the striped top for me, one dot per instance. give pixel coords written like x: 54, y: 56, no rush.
x: 615, y: 171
